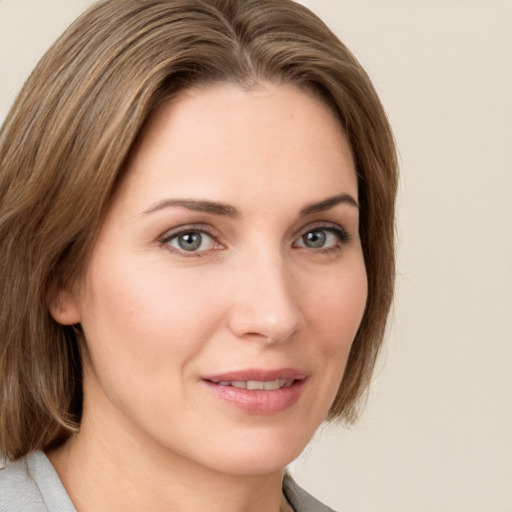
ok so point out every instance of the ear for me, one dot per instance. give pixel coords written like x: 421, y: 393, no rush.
x: 64, y: 307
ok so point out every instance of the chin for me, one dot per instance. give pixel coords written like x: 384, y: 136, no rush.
x: 259, y: 453
x: 255, y: 463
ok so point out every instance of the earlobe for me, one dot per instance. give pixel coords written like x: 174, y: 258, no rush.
x: 64, y: 308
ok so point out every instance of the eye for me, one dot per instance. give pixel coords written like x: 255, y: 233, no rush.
x: 322, y: 238
x: 191, y: 241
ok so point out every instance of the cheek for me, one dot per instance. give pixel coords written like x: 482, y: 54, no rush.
x: 136, y: 319
x: 337, y: 308
x: 334, y: 313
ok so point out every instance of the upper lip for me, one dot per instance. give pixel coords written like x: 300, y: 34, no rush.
x: 258, y: 374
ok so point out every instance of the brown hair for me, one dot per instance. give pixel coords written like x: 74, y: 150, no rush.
x: 64, y: 144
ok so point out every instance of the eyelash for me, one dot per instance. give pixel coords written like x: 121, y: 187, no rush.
x: 342, y: 236
x: 201, y: 229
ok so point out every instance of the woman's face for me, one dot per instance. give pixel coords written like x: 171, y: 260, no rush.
x: 227, y: 282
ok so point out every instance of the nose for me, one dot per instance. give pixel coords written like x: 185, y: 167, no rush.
x: 265, y: 302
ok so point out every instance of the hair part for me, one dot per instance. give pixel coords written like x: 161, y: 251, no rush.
x: 63, y: 149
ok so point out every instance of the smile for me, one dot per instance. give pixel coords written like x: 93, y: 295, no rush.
x: 258, y: 391
x: 269, y: 385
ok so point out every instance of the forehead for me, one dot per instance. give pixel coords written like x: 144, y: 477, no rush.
x: 225, y: 139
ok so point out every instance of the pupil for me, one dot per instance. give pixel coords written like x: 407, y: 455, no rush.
x: 190, y: 241
x: 315, y: 239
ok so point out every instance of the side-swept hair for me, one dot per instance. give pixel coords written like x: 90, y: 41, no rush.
x: 64, y: 145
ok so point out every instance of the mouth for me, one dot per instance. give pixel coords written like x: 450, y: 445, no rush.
x: 268, y: 385
x: 260, y: 392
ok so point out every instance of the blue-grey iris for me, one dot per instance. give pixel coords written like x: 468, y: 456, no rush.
x: 190, y: 241
x: 315, y: 239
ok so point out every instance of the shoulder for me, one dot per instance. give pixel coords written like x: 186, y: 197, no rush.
x: 18, y: 491
x: 300, y: 500
x: 32, y: 485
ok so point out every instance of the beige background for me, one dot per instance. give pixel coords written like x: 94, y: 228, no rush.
x: 436, y: 434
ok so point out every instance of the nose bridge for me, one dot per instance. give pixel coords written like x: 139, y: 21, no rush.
x: 265, y: 304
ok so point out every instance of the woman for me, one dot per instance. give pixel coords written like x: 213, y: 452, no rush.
x: 196, y: 230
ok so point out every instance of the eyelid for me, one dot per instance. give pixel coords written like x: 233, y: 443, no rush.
x: 342, y: 234
x: 326, y: 225
x: 210, y: 231
x: 205, y: 229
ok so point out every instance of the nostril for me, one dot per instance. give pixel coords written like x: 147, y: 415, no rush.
x: 264, y: 306
x: 253, y: 326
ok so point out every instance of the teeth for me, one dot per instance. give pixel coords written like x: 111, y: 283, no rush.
x: 270, y: 385
x: 254, y: 384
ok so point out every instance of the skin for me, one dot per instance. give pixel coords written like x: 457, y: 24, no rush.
x: 157, y: 318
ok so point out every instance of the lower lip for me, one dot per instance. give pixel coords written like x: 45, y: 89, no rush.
x: 259, y: 401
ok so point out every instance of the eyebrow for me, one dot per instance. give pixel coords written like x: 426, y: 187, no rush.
x: 328, y: 203
x: 213, y: 207
x: 224, y: 209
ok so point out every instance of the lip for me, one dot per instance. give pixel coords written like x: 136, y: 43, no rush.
x: 258, y: 374
x: 259, y: 401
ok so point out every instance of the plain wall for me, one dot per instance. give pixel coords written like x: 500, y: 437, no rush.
x: 436, y: 434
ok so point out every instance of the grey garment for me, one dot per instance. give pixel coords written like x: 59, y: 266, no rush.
x: 31, y: 484
x: 300, y: 500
